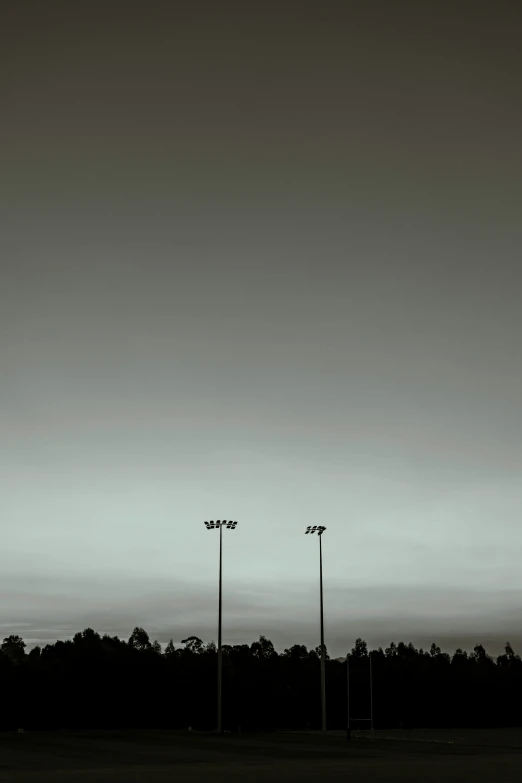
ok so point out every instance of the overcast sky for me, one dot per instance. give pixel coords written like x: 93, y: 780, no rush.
x: 262, y: 261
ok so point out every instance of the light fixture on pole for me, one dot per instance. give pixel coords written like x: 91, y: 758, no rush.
x: 220, y: 524
x: 319, y: 529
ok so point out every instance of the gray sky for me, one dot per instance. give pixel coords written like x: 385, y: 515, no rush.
x: 262, y: 264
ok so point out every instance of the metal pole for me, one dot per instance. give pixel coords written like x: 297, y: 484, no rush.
x: 371, y: 693
x: 348, y: 729
x: 220, y: 659
x: 323, y: 686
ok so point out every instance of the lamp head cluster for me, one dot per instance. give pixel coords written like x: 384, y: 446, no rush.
x: 319, y: 529
x: 220, y: 523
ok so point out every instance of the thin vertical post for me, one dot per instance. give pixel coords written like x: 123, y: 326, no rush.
x: 220, y: 659
x: 323, y: 679
x: 371, y: 693
x: 348, y: 728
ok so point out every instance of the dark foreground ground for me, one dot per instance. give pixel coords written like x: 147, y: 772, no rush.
x: 158, y: 757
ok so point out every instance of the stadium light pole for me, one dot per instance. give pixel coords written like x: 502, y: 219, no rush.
x: 371, y: 693
x: 319, y: 529
x: 219, y: 525
x: 348, y: 728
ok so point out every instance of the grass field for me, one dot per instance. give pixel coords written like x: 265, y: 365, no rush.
x: 506, y: 738
x: 161, y: 756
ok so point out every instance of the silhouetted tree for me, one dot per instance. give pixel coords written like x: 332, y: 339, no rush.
x: 360, y: 649
x: 316, y: 652
x: 139, y: 639
x: 94, y: 681
x: 14, y: 648
x: 297, y: 652
x: 509, y: 658
x: 170, y: 649
x: 193, y: 645
x: 262, y: 648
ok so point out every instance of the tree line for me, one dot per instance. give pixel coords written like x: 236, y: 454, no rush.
x: 104, y: 682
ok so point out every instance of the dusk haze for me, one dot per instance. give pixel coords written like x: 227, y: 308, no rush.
x: 261, y: 263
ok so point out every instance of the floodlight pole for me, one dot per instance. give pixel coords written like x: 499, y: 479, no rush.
x: 323, y: 678
x: 212, y: 526
x: 219, y: 651
x: 371, y: 694
x: 319, y: 529
x: 348, y: 727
